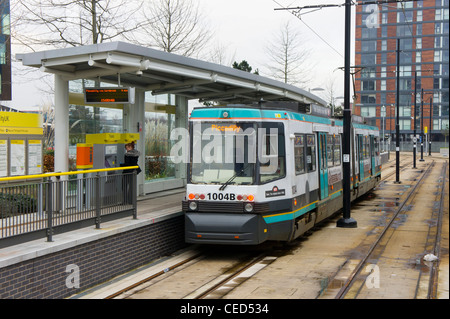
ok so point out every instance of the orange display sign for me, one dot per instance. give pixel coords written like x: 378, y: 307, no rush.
x: 224, y: 128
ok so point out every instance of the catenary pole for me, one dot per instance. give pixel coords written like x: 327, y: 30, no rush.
x: 397, y: 121
x: 346, y: 221
x: 414, y: 121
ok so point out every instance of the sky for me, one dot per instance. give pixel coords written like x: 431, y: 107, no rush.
x: 244, y: 27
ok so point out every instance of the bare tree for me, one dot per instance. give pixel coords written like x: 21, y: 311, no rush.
x: 177, y: 26
x: 288, y: 57
x: 219, y: 54
x: 62, y: 23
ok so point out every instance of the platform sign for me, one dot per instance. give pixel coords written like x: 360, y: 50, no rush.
x: 34, y: 157
x: 3, y: 158
x: 109, y: 95
x: 17, y: 157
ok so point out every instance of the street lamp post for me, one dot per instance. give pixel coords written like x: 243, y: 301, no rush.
x: 429, y: 129
x: 383, y: 116
x: 421, y: 127
x: 414, y: 121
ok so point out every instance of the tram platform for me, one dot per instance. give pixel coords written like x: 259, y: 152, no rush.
x: 152, y: 209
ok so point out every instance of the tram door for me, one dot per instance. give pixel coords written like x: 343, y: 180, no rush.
x: 361, y: 157
x: 323, y: 171
x: 372, y: 155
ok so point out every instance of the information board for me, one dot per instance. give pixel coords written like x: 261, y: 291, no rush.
x: 110, y: 95
x: 3, y: 158
x: 17, y: 157
x: 34, y: 157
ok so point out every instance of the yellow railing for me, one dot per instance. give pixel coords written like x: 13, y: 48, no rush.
x: 26, y: 177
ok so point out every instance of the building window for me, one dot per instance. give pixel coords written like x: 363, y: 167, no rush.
x: 404, y: 16
x: 369, y: 33
x: 368, y: 111
x: 368, y: 59
x: 368, y: 85
x: 368, y: 46
x: 383, y: 72
x: 369, y: 72
x: 368, y: 98
x: 406, y: 5
x: 418, y: 58
x: 437, y: 56
x: 419, y: 43
x: 437, y: 28
x: 405, y: 70
x: 405, y: 110
x: 405, y: 124
x: 419, y: 29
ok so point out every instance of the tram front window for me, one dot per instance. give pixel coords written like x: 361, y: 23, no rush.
x: 223, y: 153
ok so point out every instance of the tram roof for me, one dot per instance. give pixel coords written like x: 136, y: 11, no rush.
x: 164, y: 73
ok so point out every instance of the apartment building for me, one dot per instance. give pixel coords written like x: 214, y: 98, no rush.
x: 423, y: 29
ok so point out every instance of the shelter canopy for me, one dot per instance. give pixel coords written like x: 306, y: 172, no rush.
x: 164, y: 73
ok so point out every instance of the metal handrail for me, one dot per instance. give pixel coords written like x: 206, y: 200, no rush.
x: 26, y: 177
x: 36, y: 205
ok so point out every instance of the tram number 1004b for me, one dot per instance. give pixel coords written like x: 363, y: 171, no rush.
x: 220, y: 196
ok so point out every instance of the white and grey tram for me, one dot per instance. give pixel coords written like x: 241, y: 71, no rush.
x: 270, y: 172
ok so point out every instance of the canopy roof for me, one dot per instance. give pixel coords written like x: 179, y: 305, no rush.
x: 164, y: 73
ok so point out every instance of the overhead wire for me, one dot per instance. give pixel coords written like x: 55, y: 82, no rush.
x: 311, y: 29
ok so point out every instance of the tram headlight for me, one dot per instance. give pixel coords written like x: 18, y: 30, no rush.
x: 193, y: 205
x: 248, y: 207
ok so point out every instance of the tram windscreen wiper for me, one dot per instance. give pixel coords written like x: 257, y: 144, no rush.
x: 230, y: 180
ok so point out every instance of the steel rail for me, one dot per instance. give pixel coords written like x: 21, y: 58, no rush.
x: 233, y: 275
x: 160, y: 273
x: 434, y: 271
x: 346, y: 287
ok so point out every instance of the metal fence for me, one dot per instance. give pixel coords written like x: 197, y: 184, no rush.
x: 39, y: 206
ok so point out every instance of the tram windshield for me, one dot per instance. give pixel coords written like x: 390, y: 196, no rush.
x: 223, y: 152
x: 236, y: 153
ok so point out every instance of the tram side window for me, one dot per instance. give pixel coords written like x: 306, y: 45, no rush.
x: 337, y: 150
x: 376, y: 142
x: 311, y: 153
x: 366, y: 147
x: 272, y: 162
x: 330, y: 150
x: 299, y: 150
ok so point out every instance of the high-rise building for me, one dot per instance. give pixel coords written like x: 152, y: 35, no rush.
x: 423, y: 29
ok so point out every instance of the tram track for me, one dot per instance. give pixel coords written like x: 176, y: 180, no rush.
x: 379, y: 245
x: 223, y: 284
x: 232, y: 274
x: 206, y: 275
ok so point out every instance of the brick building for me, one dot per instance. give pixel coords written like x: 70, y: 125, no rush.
x: 423, y: 29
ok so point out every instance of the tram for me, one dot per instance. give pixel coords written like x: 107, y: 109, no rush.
x: 270, y: 171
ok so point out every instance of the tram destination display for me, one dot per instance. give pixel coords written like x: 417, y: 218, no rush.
x: 109, y: 95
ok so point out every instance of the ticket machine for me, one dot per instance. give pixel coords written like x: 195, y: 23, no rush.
x: 109, y: 152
